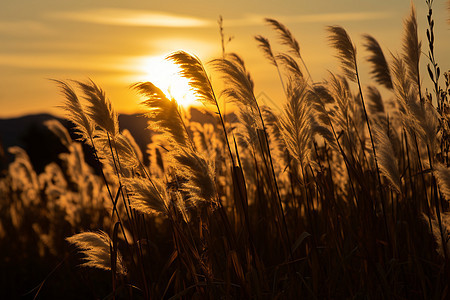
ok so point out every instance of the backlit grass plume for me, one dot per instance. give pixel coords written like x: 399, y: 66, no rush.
x: 100, y: 109
x: 147, y: 196
x: 164, y: 116
x: 60, y: 131
x: 239, y: 83
x: 295, y: 124
x: 96, y: 246
x: 287, y: 39
x: 402, y: 86
x: 387, y: 160
x: 340, y: 40
x: 341, y: 93
x: 128, y: 155
x: 290, y: 64
x: 272, y: 122
x: 406, y: 96
x: 442, y: 174
x: 264, y: 45
x: 380, y: 69
x: 442, y: 238
x: 375, y: 103
x: 199, y: 172
x: 76, y: 113
x: 192, y: 69
x: 412, y: 47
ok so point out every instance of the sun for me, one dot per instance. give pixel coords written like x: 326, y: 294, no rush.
x: 166, y: 76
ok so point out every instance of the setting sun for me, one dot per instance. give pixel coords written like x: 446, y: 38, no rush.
x: 166, y: 76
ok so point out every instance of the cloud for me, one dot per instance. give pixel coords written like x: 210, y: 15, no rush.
x: 146, y: 18
x: 23, y: 28
x: 62, y: 62
x: 254, y: 19
x: 124, y: 17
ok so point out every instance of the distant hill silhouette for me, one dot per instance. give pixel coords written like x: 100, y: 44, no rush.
x: 42, y: 146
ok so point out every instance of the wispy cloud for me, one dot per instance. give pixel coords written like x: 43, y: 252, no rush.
x: 146, y: 18
x: 67, y: 63
x: 23, y: 28
x: 124, y: 17
x: 254, y: 19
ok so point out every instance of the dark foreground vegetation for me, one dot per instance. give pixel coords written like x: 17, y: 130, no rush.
x: 343, y: 194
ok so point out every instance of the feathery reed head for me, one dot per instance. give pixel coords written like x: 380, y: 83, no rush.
x: 272, y: 121
x: 240, y: 83
x: 264, y: 45
x: 247, y: 136
x: 411, y: 46
x: 75, y: 112
x: 380, y: 69
x: 442, y: 174
x: 60, y: 131
x: 290, y: 64
x: 340, y: 40
x: 402, y: 85
x: 438, y: 235
x: 386, y: 159
x: 295, y: 123
x: 100, y: 109
x: 147, y: 196
x: 199, y: 172
x: 96, y: 246
x: 192, y: 69
x: 164, y: 115
x: 127, y: 154
x: 375, y: 104
x: 286, y: 36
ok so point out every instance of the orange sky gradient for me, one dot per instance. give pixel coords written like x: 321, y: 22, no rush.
x: 118, y: 43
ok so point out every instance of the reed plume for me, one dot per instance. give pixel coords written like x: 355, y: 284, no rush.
x: 199, y: 172
x: 164, y: 116
x: 272, y: 120
x: 403, y: 90
x: 296, y: 124
x: 240, y: 84
x: 100, y: 109
x: 129, y: 155
x: 387, y: 160
x: 288, y: 39
x: 291, y: 65
x: 75, y: 113
x: 60, y: 131
x: 442, y: 174
x: 248, y: 136
x: 340, y: 40
x: 321, y: 123
x: 412, y: 48
x: 376, y: 104
x: 147, y: 196
x: 442, y: 238
x: 380, y: 68
x: 264, y: 45
x: 96, y: 246
x: 192, y: 69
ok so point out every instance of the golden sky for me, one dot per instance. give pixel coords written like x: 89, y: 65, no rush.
x: 118, y: 43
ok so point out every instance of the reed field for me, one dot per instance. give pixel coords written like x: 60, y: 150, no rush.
x: 342, y: 192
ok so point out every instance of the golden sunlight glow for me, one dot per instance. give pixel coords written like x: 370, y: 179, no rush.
x: 166, y: 76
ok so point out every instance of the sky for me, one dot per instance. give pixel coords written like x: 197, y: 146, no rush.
x: 118, y: 43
